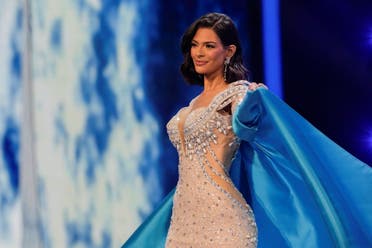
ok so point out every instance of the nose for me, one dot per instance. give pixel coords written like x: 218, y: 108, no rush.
x: 200, y: 51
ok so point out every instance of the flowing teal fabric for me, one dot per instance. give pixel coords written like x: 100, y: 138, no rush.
x: 153, y: 231
x: 304, y: 189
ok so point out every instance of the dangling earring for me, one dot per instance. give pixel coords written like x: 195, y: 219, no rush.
x: 226, y: 64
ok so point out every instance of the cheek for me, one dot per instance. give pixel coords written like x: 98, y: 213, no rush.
x: 217, y: 56
x: 192, y: 52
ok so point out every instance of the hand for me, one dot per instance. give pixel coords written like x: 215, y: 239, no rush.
x: 253, y: 86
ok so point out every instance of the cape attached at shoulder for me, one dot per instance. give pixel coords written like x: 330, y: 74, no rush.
x: 304, y: 189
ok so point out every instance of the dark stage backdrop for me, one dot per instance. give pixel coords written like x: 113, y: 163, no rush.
x: 327, y: 68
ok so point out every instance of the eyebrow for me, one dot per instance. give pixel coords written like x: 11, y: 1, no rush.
x: 206, y: 42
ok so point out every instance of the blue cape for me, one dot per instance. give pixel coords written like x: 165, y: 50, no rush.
x: 305, y: 190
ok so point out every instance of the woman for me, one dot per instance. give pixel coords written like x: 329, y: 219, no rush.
x: 233, y: 136
x: 208, y: 210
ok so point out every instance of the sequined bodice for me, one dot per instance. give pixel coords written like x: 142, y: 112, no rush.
x: 208, y: 211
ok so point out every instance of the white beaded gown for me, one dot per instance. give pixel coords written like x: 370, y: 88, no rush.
x: 208, y: 210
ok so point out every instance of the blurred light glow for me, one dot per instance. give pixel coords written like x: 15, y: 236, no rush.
x: 271, y: 40
x: 369, y: 139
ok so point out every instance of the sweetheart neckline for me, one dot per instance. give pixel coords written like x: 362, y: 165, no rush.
x: 176, y: 116
x: 181, y: 127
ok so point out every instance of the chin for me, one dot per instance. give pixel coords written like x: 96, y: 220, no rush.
x: 200, y: 71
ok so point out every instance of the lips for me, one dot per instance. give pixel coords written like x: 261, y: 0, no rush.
x: 200, y: 63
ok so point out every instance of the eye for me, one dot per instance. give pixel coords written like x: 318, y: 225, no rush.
x: 210, y: 46
x: 193, y: 44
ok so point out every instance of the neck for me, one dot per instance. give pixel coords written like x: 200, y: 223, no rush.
x: 213, y: 84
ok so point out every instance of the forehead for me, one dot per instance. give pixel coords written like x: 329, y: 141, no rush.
x: 205, y: 35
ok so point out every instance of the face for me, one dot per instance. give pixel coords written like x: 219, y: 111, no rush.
x: 208, y: 53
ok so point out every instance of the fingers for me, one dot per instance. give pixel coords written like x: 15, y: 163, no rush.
x: 263, y: 85
x: 253, y: 86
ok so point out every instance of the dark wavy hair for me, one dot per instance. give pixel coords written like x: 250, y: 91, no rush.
x: 226, y: 30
